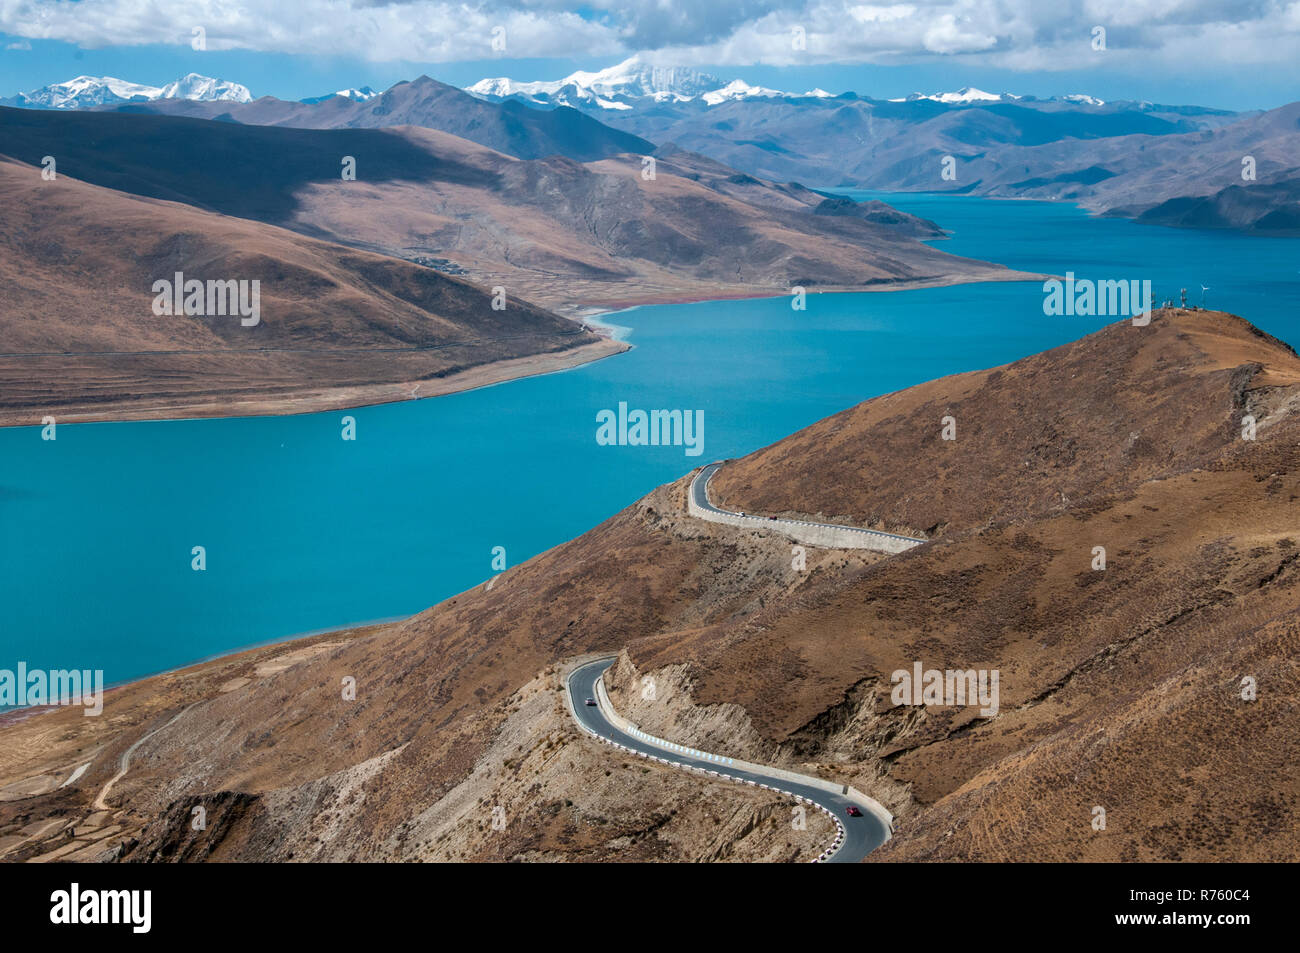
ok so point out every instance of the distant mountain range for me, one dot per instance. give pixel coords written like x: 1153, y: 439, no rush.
x: 1165, y: 164
x: 1162, y: 164
x: 969, y: 94
x: 86, y: 92
x: 632, y: 84
x: 638, y: 84
x: 613, y: 88
x: 511, y: 127
x: 562, y: 233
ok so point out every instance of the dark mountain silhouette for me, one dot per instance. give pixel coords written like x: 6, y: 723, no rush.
x: 246, y: 171
x: 508, y: 127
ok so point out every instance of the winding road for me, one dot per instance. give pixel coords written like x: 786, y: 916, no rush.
x: 124, y: 765
x: 858, y: 835
x: 838, y: 535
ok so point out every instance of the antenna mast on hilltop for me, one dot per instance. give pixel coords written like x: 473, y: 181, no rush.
x: 1184, y: 298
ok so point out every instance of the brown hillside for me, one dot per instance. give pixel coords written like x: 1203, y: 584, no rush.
x: 1047, y: 433
x: 573, y: 235
x: 338, y: 326
x: 567, y: 234
x: 1120, y: 687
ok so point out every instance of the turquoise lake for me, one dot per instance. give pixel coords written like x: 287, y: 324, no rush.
x: 304, y: 531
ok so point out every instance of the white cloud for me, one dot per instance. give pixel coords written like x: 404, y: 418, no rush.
x: 948, y: 35
x: 1013, y: 34
x: 870, y: 13
x: 422, y: 31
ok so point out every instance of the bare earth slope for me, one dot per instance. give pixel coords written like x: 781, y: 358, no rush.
x: 1121, y: 688
x: 338, y: 326
x: 1057, y: 429
x: 565, y: 234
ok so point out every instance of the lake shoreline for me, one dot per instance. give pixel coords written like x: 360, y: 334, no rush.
x: 275, y: 519
x: 500, y: 372
x: 207, y: 664
x: 910, y: 284
x: 332, y: 398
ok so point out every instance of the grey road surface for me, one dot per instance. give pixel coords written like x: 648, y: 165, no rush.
x: 700, y: 493
x: 861, y: 834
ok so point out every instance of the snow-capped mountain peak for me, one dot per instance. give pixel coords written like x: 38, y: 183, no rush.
x: 628, y: 83
x: 739, y: 89
x: 634, y: 78
x: 498, y: 86
x: 205, y: 89
x: 355, y: 95
x: 636, y: 82
x: 967, y: 94
x: 87, y: 91
x: 1084, y: 99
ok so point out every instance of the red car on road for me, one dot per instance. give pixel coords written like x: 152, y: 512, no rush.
x: 853, y: 811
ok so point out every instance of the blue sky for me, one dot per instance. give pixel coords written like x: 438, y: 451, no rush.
x: 1241, y: 55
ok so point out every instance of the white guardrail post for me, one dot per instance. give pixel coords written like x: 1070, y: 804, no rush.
x: 606, y: 708
x: 825, y: 535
